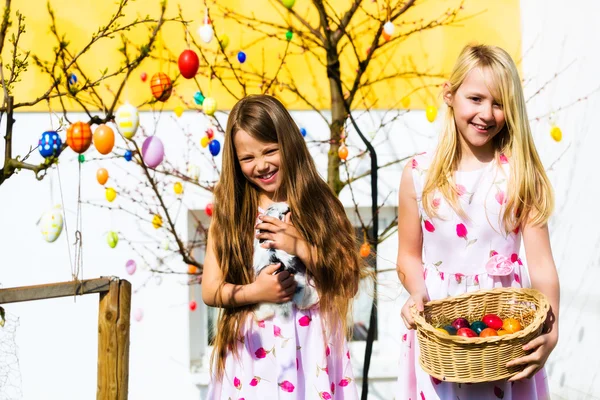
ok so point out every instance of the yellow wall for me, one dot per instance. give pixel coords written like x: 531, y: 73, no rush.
x: 492, y: 22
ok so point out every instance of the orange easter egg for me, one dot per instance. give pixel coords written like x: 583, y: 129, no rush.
x: 79, y: 137
x: 487, y: 332
x: 192, y: 269
x: 161, y: 86
x: 104, y: 139
x: 343, y: 152
x: 511, y: 325
x: 365, y: 250
x: 102, y: 176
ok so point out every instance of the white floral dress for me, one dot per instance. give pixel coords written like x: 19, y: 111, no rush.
x: 462, y: 256
x: 287, y: 359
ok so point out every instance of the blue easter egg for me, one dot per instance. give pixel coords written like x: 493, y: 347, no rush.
x: 214, y: 146
x: 72, y: 79
x: 241, y: 57
x: 128, y: 155
x: 199, y: 98
x: 303, y: 131
x: 49, y: 144
x: 478, y: 326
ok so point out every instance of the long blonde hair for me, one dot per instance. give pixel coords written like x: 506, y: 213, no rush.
x: 316, y: 212
x: 530, y: 197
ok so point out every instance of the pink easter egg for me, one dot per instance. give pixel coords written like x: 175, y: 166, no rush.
x: 130, y: 267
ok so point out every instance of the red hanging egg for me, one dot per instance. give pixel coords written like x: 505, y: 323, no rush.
x: 79, y: 137
x: 193, y: 305
x: 209, y: 209
x: 188, y: 64
x: 161, y: 86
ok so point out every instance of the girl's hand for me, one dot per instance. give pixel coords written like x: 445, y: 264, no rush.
x: 543, y: 345
x: 281, y: 235
x: 416, y: 299
x: 278, y: 288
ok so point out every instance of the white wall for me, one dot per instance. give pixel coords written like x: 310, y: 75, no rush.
x: 56, y: 339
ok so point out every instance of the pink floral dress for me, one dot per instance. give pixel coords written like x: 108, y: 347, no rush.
x: 462, y: 256
x: 291, y: 359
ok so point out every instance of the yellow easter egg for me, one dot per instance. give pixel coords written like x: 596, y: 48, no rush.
x: 51, y: 224
x: 178, y: 111
x: 431, y: 113
x: 204, y: 141
x: 127, y: 120
x: 224, y: 39
x: 209, y: 106
x: 178, y: 188
x: 111, y: 194
x: 405, y: 102
x: 157, y: 221
x: 556, y: 133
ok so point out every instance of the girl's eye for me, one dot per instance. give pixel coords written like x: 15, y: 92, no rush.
x: 498, y: 106
x: 476, y: 99
x: 245, y: 159
x: 272, y: 151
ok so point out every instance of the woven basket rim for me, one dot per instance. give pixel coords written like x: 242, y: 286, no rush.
x: 540, y: 316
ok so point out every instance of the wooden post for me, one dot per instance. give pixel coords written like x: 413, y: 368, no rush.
x: 113, y: 342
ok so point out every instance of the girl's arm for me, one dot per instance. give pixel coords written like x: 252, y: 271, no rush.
x: 544, y: 278
x: 267, y: 287
x: 410, y: 246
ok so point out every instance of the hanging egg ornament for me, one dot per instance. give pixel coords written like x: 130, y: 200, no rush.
x: 128, y: 155
x: 556, y: 133
x: 303, y: 132
x: 386, y: 37
x: 365, y: 250
x: 112, y: 239
x: 209, y: 209
x: 79, y: 137
x: 102, y: 176
x: 192, y: 269
x: 143, y: 76
x: 111, y: 194
x: 153, y: 151
x: 405, y: 102
x: 127, y: 120
x: 178, y: 188
x: 343, y: 152
x: 206, y: 31
x: 157, y: 221
x: 130, y: 267
x: 81, y: 158
x: 193, y: 305
x: 289, y: 35
x: 198, y: 98
x: 210, y: 133
x: 138, y: 315
x: 389, y: 28
x: 178, y: 111
x: 241, y: 56
x: 224, y: 41
x: 209, y: 106
x: 161, y: 86
x: 215, y: 147
x: 50, y: 144
x: 431, y: 113
x: 204, y: 141
x: 72, y: 79
x: 188, y: 63
x: 104, y: 139
x: 288, y: 3
x: 51, y: 224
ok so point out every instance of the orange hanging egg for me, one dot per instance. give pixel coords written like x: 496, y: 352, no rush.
x: 343, y: 152
x: 102, y: 176
x: 79, y: 137
x: 104, y: 139
x: 192, y: 269
x: 161, y: 86
x: 365, y: 250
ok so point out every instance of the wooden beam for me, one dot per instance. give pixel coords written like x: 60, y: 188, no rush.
x: 53, y: 290
x: 113, y: 342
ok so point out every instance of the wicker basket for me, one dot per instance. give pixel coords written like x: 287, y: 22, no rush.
x: 471, y: 360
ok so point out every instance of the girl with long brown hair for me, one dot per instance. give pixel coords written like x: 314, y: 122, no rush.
x: 265, y: 160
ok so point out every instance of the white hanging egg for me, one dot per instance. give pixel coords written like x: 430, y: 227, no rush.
x: 389, y: 28
x: 127, y: 120
x: 206, y: 33
x: 51, y: 224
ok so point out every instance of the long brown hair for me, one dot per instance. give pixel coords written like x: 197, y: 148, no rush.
x: 316, y: 212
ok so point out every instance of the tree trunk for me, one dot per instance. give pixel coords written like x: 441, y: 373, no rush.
x: 338, y: 117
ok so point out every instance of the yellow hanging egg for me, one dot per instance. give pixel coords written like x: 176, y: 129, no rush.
x: 156, y: 221
x: 204, y: 141
x: 178, y: 188
x: 224, y: 40
x: 556, y: 133
x: 431, y: 113
x: 51, y: 224
x: 405, y: 102
x: 111, y: 194
x: 178, y: 111
x: 127, y: 120
x: 209, y: 106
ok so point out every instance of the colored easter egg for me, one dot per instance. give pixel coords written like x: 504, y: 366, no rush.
x: 153, y: 151
x: 193, y: 305
x: 128, y: 155
x: 488, y: 332
x: 143, y: 76
x: 431, y: 113
x: 49, y: 144
x: 157, y: 221
x: 210, y: 133
x: 130, y: 267
x: 188, y: 63
x: 343, y: 152
x: 102, y: 176
x: 209, y: 106
x: 288, y: 3
x: 161, y: 86
x: 556, y: 133
x: 104, y: 139
x: 241, y: 56
x: 502, y: 332
x: 365, y: 250
x: 289, y: 35
x: 209, y: 209
x: 127, y: 119
x: 492, y: 321
x: 389, y: 28
x: 178, y: 188
x: 224, y: 41
x: 405, y: 102
x: 478, y: 326
x: 138, y: 314
x: 511, y: 325
x: 204, y: 141
x: 460, y: 323
x: 192, y: 269
x: 466, y: 332
x: 206, y: 33
x: 79, y: 137
x: 178, y: 111
x: 51, y: 224
x: 112, y: 238
x: 198, y: 98
x: 442, y: 330
x: 303, y: 131
x: 215, y: 147
x: 111, y: 194
x: 450, y: 329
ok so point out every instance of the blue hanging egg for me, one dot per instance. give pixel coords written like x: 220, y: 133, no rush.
x: 303, y: 131
x: 241, y: 57
x: 72, y: 79
x: 49, y: 144
x: 199, y: 98
x: 128, y: 155
x: 215, y: 147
